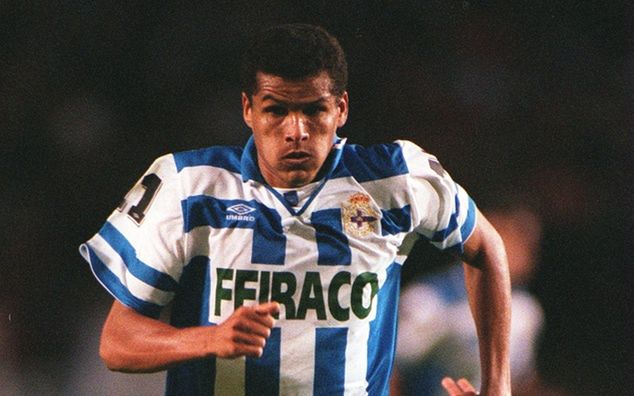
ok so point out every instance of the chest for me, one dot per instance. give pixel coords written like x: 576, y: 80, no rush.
x: 340, y: 225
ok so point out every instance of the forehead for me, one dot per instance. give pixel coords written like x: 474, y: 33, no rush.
x: 272, y: 87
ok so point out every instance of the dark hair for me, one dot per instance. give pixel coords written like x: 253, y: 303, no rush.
x: 294, y: 52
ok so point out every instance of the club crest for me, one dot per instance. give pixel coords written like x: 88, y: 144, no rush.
x: 358, y: 216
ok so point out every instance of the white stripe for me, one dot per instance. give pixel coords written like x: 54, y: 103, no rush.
x: 301, y: 243
x: 357, y: 360
x: 340, y: 143
x: 211, y: 180
x: 236, y: 249
x: 297, y: 369
x: 390, y: 192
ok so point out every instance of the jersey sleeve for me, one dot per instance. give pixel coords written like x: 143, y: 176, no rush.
x: 138, y: 254
x: 442, y: 211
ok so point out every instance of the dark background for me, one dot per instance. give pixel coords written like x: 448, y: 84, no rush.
x: 531, y: 97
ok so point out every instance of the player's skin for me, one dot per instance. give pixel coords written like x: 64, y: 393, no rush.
x: 462, y: 387
x: 294, y: 123
x: 133, y: 343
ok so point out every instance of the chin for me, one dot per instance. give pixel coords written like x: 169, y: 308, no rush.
x: 299, y: 179
x: 299, y: 182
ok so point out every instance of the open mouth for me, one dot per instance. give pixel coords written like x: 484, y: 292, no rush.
x: 297, y: 155
x: 297, y: 159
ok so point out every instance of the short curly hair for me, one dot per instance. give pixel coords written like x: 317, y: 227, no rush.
x: 295, y: 51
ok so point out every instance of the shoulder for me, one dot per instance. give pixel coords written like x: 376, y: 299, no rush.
x: 385, y: 160
x: 225, y: 157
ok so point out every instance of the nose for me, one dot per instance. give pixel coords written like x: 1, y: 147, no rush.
x: 296, y: 129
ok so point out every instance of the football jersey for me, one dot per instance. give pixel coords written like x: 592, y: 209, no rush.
x: 203, y: 231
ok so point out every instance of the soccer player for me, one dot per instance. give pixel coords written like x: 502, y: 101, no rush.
x: 281, y: 260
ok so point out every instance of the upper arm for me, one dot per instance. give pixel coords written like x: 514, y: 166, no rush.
x: 484, y: 242
x: 132, y: 342
x: 121, y: 320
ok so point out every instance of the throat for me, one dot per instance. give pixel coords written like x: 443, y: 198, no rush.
x: 296, y: 197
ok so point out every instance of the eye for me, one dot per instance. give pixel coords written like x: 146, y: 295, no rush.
x: 276, y: 110
x: 314, y: 109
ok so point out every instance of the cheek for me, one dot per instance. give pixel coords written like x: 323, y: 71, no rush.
x: 328, y: 121
x: 325, y: 144
x: 271, y: 149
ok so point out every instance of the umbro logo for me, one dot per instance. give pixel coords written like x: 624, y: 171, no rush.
x: 241, y: 212
x: 240, y: 209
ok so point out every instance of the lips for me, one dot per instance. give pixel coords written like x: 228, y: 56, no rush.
x: 296, y: 160
x: 296, y: 155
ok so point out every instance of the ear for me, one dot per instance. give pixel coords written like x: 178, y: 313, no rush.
x: 247, y: 110
x: 343, y: 109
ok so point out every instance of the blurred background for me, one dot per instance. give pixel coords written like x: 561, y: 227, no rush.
x: 526, y: 101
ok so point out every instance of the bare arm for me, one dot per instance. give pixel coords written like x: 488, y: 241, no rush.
x: 131, y: 342
x: 489, y: 292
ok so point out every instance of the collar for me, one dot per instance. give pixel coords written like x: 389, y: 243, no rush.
x: 251, y: 171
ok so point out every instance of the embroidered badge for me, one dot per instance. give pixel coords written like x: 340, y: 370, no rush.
x: 358, y: 217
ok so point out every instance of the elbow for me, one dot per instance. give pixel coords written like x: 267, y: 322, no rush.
x: 111, y: 358
x: 117, y: 356
x: 121, y: 357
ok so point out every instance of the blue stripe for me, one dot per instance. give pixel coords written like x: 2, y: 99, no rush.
x: 222, y: 157
x: 205, y: 308
x: 382, y: 338
x: 269, y: 241
x: 395, y: 221
x: 262, y: 375
x: 465, y: 230
x: 372, y: 163
x: 136, y: 267
x: 440, y: 235
x: 332, y: 243
x: 470, y: 221
x: 119, y: 290
x: 191, y: 304
x: 330, y: 361
x: 204, y: 210
x: 196, y: 378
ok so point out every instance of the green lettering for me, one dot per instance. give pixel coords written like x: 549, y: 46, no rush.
x: 284, y: 297
x: 263, y: 286
x: 357, y: 293
x: 222, y: 293
x: 312, y: 286
x: 337, y: 311
x: 265, y: 281
x: 242, y: 293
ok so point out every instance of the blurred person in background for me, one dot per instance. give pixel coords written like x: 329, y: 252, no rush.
x: 437, y: 336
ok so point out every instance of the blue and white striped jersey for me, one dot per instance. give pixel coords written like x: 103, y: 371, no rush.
x: 203, y: 231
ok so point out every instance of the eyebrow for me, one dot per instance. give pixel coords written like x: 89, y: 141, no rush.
x: 314, y: 102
